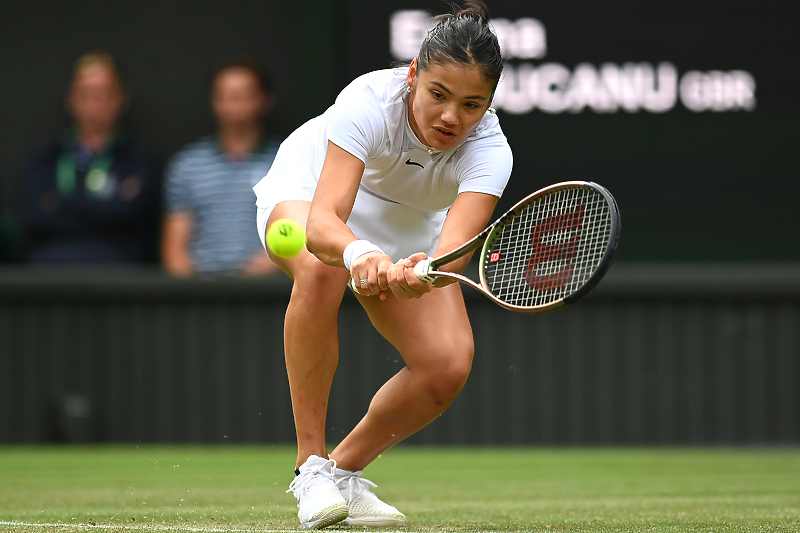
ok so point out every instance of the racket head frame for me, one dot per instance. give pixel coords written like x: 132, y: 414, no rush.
x: 428, y: 270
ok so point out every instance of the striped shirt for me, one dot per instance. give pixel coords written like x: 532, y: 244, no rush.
x: 218, y: 193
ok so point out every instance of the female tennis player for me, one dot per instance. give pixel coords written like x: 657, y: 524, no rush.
x: 407, y: 162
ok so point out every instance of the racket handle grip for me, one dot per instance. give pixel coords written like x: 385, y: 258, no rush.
x: 421, y: 270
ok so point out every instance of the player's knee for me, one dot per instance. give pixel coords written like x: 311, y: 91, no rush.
x: 449, y: 377
x: 319, y: 283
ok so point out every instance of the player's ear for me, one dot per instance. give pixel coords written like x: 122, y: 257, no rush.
x: 411, y: 77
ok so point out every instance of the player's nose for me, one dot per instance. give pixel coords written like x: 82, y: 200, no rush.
x: 450, y: 116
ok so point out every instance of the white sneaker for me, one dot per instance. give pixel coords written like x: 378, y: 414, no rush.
x: 365, y: 508
x: 318, y: 499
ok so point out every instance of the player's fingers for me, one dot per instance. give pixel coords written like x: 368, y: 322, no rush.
x: 397, y: 279
x: 365, y: 270
x: 402, y: 289
x: 413, y: 259
x: 363, y: 280
x: 383, y: 267
x: 358, y: 286
x: 371, y: 286
x: 395, y: 273
x: 383, y: 279
x: 416, y: 285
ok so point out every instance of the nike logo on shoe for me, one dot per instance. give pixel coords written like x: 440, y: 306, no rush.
x: 410, y: 162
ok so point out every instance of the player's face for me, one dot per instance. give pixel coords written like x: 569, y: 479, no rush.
x: 237, y: 98
x: 446, y: 103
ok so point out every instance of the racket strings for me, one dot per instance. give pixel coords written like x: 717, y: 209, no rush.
x: 549, y: 249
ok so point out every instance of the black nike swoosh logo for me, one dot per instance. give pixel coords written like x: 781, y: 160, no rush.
x: 410, y: 162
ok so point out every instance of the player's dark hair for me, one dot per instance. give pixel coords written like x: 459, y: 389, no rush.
x: 253, y: 67
x: 465, y: 38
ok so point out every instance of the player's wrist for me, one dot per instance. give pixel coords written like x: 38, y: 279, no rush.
x: 356, y: 249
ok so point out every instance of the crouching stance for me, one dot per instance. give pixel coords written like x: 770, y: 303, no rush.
x: 407, y: 162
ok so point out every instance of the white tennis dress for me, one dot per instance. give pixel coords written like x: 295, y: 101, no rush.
x: 406, y: 188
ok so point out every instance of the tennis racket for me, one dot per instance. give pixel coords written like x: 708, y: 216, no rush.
x: 546, y: 252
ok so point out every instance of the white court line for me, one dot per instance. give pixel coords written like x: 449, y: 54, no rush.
x: 147, y: 527
x: 157, y: 527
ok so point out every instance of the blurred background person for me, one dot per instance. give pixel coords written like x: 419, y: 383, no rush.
x: 210, y: 204
x: 93, y: 197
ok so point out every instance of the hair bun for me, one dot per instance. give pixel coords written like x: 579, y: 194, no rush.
x: 464, y: 37
x: 475, y: 8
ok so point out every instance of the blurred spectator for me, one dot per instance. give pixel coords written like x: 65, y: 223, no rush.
x: 209, y: 227
x: 93, y: 197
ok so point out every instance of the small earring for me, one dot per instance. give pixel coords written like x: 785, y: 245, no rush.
x: 408, y: 88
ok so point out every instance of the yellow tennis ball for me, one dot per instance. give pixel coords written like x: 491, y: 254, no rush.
x: 286, y: 238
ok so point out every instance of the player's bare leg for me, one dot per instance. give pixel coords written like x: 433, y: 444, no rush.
x: 434, y: 336
x: 311, y: 347
x: 311, y: 341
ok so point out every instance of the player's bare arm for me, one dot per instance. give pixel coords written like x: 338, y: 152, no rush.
x: 467, y: 217
x: 327, y: 233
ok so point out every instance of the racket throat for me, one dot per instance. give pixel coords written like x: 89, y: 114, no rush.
x: 421, y: 270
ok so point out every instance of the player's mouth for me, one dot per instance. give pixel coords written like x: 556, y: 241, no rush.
x: 443, y: 134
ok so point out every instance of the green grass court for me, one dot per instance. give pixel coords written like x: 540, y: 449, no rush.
x: 173, y: 488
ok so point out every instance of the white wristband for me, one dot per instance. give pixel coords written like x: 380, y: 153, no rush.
x: 356, y: 249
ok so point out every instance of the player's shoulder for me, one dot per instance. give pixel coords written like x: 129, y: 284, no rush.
x: 487, y: 144
x: 372, y: 103
x: 383, y: 87
x: 487, y: 135
x: 489, y: 126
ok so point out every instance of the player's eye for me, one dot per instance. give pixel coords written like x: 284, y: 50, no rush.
x: 437, y: 95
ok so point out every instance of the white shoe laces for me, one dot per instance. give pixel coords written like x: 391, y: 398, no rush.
x: 355, y: 484
x: 308, y: 477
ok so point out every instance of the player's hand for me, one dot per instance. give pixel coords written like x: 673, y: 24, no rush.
x: 372, y: 267
x: 403, y: 282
